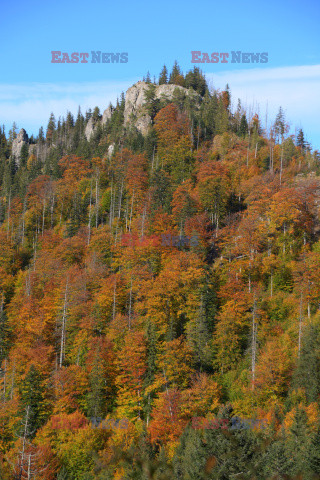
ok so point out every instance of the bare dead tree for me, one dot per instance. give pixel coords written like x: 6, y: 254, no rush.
x: 89, y: 222
x: 300, y: 325
x: 63, y: 326
x: 254, y: 342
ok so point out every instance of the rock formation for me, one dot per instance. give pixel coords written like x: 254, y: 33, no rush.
x: 134, y: 114
x: 89, y: 130
x: 135, y: 101
x: 110, y: 150
x: 107, y: 114
x: 17, y: 144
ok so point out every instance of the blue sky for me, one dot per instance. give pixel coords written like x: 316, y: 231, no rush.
x: 154, y: 33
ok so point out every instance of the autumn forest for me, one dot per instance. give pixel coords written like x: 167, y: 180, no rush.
x: 125, y: 355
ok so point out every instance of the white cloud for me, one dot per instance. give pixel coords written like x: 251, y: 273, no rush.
x: 296, y: 89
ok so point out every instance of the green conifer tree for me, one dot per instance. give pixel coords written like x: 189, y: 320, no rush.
x: 32, y: 399
x: 163, y: 77
x: 307, y: 373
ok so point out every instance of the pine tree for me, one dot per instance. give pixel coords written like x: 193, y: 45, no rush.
x: 196, y: 80
x: 161, y: 191
x: 5, y: 334
x: 24, y: 154
x: 41, y: 135
x: 152, y: 103
x: 13, y: 133
x: 51, y: 128
x: 190, y: 457
x: 198, y: 337
x: 151, y: 354
x: 300, y: 140
x: 96, y: 114
x: 277, y: 463
x: 31, y: 392
x: 279, y: 125
x: 243, y: 128
x: 314, y: 454
x: 298, y: 443
x: 163, y: 77
x: 176, y: 76
x: 79, y: 128
x: 218, y: 453
x: 69, y: 121
x: 4, y: 150
x: 209, y: 110
x: 97, y: 395
x: 307, y: 373
x: 88, y: 114
x: 221, y: 119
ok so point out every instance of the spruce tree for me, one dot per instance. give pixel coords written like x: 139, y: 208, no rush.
x: 5, y: 334
x: 243, y: 128
x: 69, y: 121
x: 300, y: 140
x: 176, y: 76
x: 199, y: 338
x: 13, y: 133
x: 314, y: 454
x: 41, y: 135
x: 97, y: 395
x: 298, y: 443
x: 209, y: 110
x: 151, y: 365
x: 4, y: 150
x: 96, y: 114
x: 279, y: 125
x: 88, y: 114
x: 222, y: 119
x: 163, y: 77
x: 277, y: 462
x: 51, y: 128
x: 78, y: 129
x: 152, y: 103
x: 31, y: 391
x: 161, y: 191
x: 196, y: 80
x: 24, y: 154
x: 307, y: 373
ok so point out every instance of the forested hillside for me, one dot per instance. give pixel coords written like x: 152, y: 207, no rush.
x: 152, y: 283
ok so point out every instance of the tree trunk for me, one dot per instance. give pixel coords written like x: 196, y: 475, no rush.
x: 63, y: 327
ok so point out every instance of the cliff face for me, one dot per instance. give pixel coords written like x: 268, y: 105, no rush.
x: 135, y: 101
x: 17, y: 144
x: 89, y: 131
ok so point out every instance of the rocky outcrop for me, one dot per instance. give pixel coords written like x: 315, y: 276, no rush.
x: 110, y: 150
x: 91, y: 125
x: 135, y: 113
x: 134, y: 110
x: 107, y: 114
x: 39, y: 150
x: 135, y: 101
x: 17, y: 144
x: 89, y: 130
